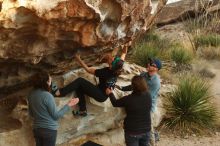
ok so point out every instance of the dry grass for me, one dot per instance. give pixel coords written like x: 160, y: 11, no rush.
x: 209, y: 53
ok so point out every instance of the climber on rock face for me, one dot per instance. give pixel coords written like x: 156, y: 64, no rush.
x: 107, y: 78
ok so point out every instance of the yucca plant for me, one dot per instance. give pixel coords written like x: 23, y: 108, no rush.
x: 188, y: 107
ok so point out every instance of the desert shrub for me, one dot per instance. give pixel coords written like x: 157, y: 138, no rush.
x: 181, y: 55
x: 149, y: 37
x: 201, y: 21
x: 188, y: 106
x: 209, y: 52
x: 207, y: 40
x: 141, y: 53
x: 150, y: 45
x: 206, y: 73
x: 198, y: 22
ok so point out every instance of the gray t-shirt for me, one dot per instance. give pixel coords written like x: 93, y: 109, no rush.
x: 43, y: 109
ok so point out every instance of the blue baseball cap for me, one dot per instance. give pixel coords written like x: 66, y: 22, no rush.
x: 155, y: 61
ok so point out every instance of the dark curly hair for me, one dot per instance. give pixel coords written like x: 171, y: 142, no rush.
x: 40, y: 80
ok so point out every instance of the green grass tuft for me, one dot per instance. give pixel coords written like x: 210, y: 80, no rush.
x: 142, y: 52
x: 207, y: 40
x: 181, y: 55
x: 150, y: 45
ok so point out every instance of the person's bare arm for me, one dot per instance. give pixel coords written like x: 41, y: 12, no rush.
x: 90, y: 70
x: 125, y: 50
x: 115, y: 51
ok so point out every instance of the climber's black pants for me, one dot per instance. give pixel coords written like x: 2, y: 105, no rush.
x: 83, y: 87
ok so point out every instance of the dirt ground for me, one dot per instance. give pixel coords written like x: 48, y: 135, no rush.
x: 168, y: 140
x: 215, y: 88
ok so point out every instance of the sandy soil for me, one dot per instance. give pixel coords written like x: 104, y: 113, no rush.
x: 116, y: 138
x: 216, y: 86
x: 168, y: 140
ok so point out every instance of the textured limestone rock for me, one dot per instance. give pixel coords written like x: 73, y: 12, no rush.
x: 113, y: 137
x: 185, y: 9
x: 44, y: 34
x: 101, y: 117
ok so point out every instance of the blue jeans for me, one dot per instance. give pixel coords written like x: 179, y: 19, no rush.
x: 137, y: 140
x: 45, y: 137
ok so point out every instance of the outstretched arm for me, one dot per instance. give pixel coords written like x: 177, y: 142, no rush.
x: 124, y: 52
x: 125, y: 49
x: 126, y: 88
x: 115, y: 102
x: 115, y: 51
x: 52, y: 109
x: 90, y: 70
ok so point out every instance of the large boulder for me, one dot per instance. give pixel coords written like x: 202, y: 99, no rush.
x: 185, y: 9
x: 101, y: 116
x: 45, y: 34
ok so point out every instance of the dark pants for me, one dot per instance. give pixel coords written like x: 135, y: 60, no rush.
x: 82, y: 88
x: 137, y: 140
x: 45, y: 137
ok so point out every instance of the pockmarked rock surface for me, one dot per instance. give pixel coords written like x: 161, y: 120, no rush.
x: 45, y: 34
x: 101, y: 116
